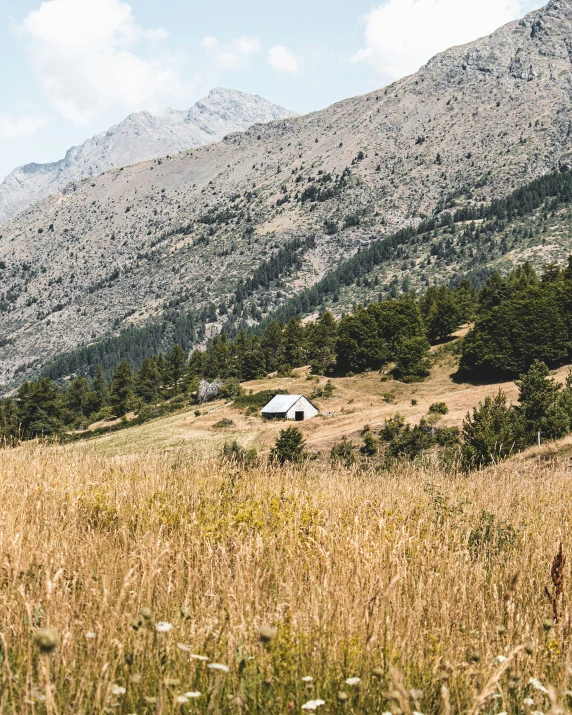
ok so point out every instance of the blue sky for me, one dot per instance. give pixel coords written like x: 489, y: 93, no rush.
x: 72, y: 68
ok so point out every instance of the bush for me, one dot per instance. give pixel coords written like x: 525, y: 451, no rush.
x: 490, y: 434
x: 289, y: 447
x: 369, y: 448
x: 326, y: 391
x: 343, y: 451
x: 225, y: 422
x: 234, y: 452
x: 438, y: 408
x: 231, y: 389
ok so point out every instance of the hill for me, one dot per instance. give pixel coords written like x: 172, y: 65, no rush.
x: 179, y: 234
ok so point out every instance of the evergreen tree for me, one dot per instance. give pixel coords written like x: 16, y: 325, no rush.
x: 148, y: 381
x: 39, y: 408
x: 100, y: 389
x: 177, y: 364
x: 491, y: 433
x: 442, y: 313
x: 289, y: 446
x: 541, y: 409
x: 121, y: 389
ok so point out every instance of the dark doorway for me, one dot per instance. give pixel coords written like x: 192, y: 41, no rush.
x: 299, y: 416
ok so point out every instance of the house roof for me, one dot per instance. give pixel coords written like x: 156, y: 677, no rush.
x: 281, y: 403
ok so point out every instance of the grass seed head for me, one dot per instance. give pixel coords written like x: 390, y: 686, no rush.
x: 46, y: 639
x: 267, y: 634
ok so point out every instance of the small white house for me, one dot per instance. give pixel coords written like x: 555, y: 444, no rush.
x: 290, y: 407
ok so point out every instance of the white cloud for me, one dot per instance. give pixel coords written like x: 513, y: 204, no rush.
x: 401, y: 35
x: 91, y: 54
x: 25, y: 126
x: 282, y: 59
x: 235, y: 54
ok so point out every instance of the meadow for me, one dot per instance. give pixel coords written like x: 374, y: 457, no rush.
x: 174, y: 583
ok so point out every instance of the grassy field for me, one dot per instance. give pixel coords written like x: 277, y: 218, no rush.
x: 357, y: 401
x: 427, y: 587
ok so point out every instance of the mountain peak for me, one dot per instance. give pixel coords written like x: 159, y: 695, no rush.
x: 139, y: 137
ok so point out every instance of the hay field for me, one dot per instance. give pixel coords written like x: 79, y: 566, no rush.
x: 428, y: 587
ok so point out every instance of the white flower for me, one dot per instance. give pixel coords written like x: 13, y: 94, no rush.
x: 163, y: 627
x: 528, y: 701
x: 118, y: 690
x: 182, y: 646
x: 353, y: 681
x: 537, y: 685
x: 182, y: 699
x: 499, y: 659
x: 218, y: 666
x: 198, y: 657
x: 193, y: 694
x: 313, y: 704
x: 416, y: 713
x: 537, y: 712
x: 91, y: 635
x: 307, y: 678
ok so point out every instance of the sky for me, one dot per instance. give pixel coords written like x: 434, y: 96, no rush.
x: 70, y: 69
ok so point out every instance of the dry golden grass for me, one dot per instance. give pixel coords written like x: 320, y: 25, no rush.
x: 398, y: 579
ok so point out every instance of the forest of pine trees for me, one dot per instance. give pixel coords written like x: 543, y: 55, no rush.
x: 517, y: 320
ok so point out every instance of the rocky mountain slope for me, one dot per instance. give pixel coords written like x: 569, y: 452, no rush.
x: 180, y: 233
x: 140, y: 137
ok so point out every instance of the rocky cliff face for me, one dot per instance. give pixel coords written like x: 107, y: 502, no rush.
x: 140, y: 137
x: 180, y: 232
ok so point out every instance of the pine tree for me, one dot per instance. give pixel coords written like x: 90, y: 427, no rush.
x: 121, y: 389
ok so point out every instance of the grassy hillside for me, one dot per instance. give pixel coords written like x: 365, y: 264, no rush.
x: 366, y: 399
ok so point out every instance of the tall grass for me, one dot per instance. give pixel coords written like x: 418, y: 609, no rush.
x: 429, y: 588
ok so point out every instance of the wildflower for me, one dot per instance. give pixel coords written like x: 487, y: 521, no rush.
x: 182, y: 700
x: 342, y: 697
x: 307, y: 679
x: 353, y: 681
x: 46, y: 639
x: 135, y: 678
x: 416, y: 713
x: 313, y: 704
x: 499, y: 659
x: 198, y: 657
x: 118, y: 690
x: 183, y: 647
x: 163, y: 627
x: 218, y: 666
x: 91, y: 635
x: 147, y: 613
x: 266, y: 634
x: 193, y: 694
x: 528, y: 701
x: 537, y: 685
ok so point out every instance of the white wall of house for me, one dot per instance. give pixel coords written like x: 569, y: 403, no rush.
x: 303, y: 405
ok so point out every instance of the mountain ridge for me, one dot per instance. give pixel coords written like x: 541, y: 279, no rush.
x: 180, y: 233
x: 139, y: 137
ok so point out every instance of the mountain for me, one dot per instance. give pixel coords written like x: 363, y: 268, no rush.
x: 140, y: 137
x: 230, y: 231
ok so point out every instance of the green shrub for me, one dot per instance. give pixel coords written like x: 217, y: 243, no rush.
x: 289, y: 446
x: 225, y: 422
x: 438, y: 408
x: 343, y: 451
x: 234, y: 452
x: 369, y: 448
